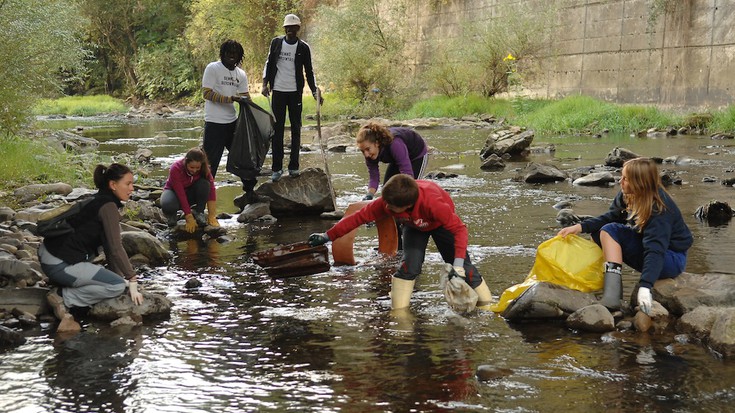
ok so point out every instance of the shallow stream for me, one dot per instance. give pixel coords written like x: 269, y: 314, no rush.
x: 328, y: 342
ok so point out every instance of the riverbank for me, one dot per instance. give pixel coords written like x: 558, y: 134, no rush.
x: 32, y: 157
x: 570, y: 115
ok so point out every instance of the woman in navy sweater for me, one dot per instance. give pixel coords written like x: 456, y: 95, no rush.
x: 644, y: 229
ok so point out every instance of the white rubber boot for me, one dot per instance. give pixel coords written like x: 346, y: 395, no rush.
x: 484, y: 297
x: 400, y: 292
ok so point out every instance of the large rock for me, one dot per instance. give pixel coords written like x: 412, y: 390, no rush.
x: 492, y: 163
x: 30, y: 300
x: 595, y: 179
x: 722, y: 336
x: 714, y: 212
x: 154, y: 305
x: 698, y: 322
x: 139, y: 242
x: 689, y: 291
x: 593, y: 318
x: 536, y: 173
x: 545, y: 300
x: 618, y: 156
x: 306, y: 194
x: 511, y: 142
x: 34, y: 191
x: 10, y: 338
x: 20, y: 273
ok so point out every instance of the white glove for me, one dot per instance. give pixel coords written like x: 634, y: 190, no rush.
x: 134, y: 294
x: 459, y: 271
x: 645, y: 301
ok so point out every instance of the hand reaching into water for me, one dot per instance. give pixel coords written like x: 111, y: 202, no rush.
x: 316, y: 240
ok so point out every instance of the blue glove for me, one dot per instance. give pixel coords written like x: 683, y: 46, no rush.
x: 368, y: 197
x: 316, y: 240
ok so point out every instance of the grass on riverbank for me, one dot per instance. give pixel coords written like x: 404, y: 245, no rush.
x: 30, y: 161
x: 583, y: 114
x: 573, y: 114
x: 80, y: 106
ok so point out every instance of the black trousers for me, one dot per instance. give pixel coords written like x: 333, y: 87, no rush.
x: 282, y: 101
x: 217, y: 137
x: 414, y: 252
x: 197, y: 196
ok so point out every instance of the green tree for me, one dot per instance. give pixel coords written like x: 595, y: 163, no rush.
x: 40, y: 42
x: 253, y: 23
x: 166, y: 70
x: 360, y: 47
x: 119, y: 31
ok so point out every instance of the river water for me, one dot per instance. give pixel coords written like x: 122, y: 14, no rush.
x: 328, y: 342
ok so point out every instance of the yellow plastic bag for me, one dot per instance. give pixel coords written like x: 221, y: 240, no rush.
x: 573, y: 262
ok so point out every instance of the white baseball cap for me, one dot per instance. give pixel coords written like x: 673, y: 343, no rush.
x: 291, y: 20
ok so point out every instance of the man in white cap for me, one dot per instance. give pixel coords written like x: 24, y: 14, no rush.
x: 289, y: 60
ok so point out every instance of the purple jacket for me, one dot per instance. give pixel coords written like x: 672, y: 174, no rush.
x: 407, y: 146
x: 179, y: 179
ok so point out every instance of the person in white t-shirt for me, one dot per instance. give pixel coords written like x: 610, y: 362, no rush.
x: 223, y: 83
x: 289, y: 59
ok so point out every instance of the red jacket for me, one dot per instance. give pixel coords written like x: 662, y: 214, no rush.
x: 433, y: 209
x: 179, y: 179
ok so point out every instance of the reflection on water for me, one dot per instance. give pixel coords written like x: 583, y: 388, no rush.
x: 329, y: 342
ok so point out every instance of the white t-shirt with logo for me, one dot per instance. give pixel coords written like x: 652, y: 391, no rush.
x: 286, y: 74
x: 226, y: 82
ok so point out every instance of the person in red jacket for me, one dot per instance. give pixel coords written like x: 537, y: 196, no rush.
x: 425, y: 210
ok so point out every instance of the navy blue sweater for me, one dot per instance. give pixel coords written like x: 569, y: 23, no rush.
x: 665, y: 230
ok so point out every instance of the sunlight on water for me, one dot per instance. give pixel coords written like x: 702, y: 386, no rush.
x: 330, y: 343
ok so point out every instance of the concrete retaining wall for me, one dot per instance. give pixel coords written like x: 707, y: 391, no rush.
x: 612, y: 49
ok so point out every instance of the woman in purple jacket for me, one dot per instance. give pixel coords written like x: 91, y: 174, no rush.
x: 404, y: 150
x: 189, y: 188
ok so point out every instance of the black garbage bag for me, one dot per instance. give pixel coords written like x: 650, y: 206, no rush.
x: 254, y: 130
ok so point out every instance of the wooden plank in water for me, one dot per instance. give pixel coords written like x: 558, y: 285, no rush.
x: 293, y: 260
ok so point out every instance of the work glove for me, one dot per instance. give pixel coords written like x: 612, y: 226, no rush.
x: 134, y: 294
x: 460, y: 271
x: 191, y: 223
x: 368, y: 197
x: 645, y: 301
x: 317, y: 239
x: 212, y: 213
x: 265, y: 91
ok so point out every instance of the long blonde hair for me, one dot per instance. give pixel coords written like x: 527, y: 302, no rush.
x: 643, y: 197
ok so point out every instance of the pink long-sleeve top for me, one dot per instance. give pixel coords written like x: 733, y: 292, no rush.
x: 179, y: 179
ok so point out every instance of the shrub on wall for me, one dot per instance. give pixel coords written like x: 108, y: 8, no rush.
x: 490, y: 56
x: 359, y: 48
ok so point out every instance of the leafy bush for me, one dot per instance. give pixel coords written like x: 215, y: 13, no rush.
x: 38, y: 43
x: 361, y: 50
x: 166, y: 71
x: 489, y: 57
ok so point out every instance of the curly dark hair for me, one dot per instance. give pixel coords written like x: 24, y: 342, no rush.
x: 232, y: 46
